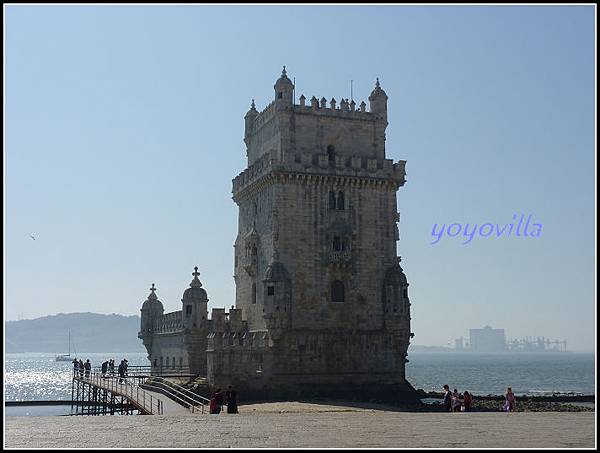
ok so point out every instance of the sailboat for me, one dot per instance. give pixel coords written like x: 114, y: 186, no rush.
x: 65, y: 357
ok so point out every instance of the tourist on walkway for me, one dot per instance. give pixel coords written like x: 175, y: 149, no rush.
x: 467, y: 401
x: 456, y: 401
x: 121, y: 372
x: 104, y: 368
x: 111, y: 367
x: 81, y: 368
x: 125, y: 365
x: 75, y: 365
x: 231, y: 397
x: 88, y: 368
x: 447, y: 398
x: 510, y: 401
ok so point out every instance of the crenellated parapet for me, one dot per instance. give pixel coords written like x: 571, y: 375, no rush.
x: 263, y: 117
x: 168, y: 323
x: 238, y: 341
x: 346, y: 109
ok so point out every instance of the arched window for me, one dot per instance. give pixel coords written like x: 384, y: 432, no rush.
x: 332, y: 200
x: 337, y: 291
x: 337, y: 244
x: 340, y: 201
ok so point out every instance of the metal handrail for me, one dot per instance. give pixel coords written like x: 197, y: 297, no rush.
x: 136, y: 370
x: 184, y: 390
x: 175, y: 390
x: 109, y: 383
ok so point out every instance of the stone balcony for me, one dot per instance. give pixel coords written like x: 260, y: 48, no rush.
x: 341, y: 257
x: 316, y: 164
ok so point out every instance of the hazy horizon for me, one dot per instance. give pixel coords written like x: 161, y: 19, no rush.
x: 124, y: 129
x: 411, y: 345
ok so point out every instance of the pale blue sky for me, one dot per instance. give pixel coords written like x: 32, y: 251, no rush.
x: 124, y: 129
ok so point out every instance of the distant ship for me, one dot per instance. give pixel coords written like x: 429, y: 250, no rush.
x: 65, y: 357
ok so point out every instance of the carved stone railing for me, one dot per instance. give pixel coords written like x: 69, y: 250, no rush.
x: 341, y: 257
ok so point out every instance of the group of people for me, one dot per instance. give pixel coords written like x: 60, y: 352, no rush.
x: 81, y: 368
x: 461, y: 402
x: 216, y: 402
x: 457, y: 402
x: 107, y: 368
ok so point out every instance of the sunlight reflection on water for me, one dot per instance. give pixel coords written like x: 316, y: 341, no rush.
x: 32, y: 376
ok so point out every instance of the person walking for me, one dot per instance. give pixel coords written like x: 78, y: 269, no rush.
x: 468, y: 399
x: 111, y: 367
x: 88, y: 368
x: 510, y: 401
x: 231, y: 397
x: 447, y: 398
x: 81, y: 368
x: 104, y: 368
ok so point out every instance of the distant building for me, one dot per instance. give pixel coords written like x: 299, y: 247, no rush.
x: 459, y: 344
x: 487, y: 340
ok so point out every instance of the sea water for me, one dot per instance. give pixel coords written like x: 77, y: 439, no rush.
x: 37, y: 376
x: 541, y: 373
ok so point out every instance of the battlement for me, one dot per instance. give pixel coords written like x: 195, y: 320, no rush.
x: 345, y: 110
x: 222, y: 322
x: 243, y: 341
x: 168, y: 323
x: 263, y: 117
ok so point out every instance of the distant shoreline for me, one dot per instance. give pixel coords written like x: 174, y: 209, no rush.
x: 554, y: 398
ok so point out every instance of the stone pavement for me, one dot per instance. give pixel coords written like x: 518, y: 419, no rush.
x: 332, y: 426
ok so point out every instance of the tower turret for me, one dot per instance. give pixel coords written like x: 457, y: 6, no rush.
x: 194, y: 300
x: 278, y: 297
x: 396, y: 304
x: 152, y: 309
x: 378, y: 101
x: 284, y: 91
x: 249, y: 121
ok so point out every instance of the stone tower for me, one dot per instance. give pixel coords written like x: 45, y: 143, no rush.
x: 151, y: 311
x: 195, y: 324
x: 315, y: 261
